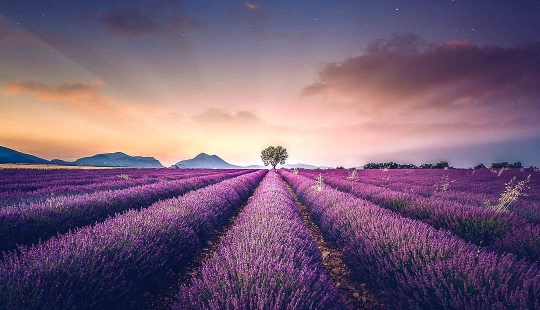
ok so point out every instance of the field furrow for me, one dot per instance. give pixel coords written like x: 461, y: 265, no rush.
x: 419, y: 266
x: 495, y: 230
x: 353, y: 291
x: 111, y: 265
x: 24, y: 225
x: 463, y: 186
x: 39, y: 191
x: 162, y: 297
x: 267, y: 260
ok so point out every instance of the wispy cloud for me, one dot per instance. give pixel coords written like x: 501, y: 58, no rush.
x: 216, y: 115
x: 72, y: 94
x: 185, y: 22
x: 88, y: 97
x: 130, y: 21
x: 138, y: 21
x: 252, y: 6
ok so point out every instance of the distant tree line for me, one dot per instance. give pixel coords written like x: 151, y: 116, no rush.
x: 500, y: 165
x: 439, y: 165
x: 393, y: 165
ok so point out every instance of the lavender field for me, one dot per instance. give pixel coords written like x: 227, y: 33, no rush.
x: 259, y: 239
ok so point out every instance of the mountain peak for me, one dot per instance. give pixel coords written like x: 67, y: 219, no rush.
x: 203, y: 155
x: 204, y: 160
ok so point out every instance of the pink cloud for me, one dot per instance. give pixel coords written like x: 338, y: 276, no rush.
x: 252, y: 6
x: 216, y: 115
x: 405, y: 76
x: 72, y: 94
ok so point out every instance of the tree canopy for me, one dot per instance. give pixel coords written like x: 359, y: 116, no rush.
x: 274, y: 156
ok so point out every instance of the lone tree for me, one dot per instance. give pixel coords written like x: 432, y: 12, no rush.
x: 274, y: 155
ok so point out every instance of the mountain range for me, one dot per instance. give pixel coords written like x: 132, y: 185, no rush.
x: 119, y: 159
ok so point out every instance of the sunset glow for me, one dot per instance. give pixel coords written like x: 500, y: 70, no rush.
x: 335, y: 82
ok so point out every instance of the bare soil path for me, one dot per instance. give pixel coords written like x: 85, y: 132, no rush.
x: 353, y: 291
x: 163, y: 297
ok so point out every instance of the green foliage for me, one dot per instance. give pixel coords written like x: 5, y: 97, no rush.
x: 389, y: 165
x: 480, y: 166
x: 516, y: 164
x: 505, y: 164
x: 441, y: 165
x: 274, y: 156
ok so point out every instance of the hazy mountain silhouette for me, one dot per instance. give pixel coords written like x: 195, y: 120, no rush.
x: 206, y: 161
x: 9, y: 156
x: 118, y: 159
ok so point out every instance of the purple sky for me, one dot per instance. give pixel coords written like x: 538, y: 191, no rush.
x: 335, y: 82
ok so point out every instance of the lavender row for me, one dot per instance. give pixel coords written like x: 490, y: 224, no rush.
x: 485, y: 181
x: 526, y: 206
x: 31, y: 179
x: 19, y: 197
x: 40, y: 221
x: 112, y: 264
x: 496, y: 230
x: 419, y: 266
x: 27, y: 183
x: 120, y: 181
x: 267, y: 260
x: 473, y: 187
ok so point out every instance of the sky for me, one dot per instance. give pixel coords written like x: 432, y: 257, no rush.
x: 341, y: 82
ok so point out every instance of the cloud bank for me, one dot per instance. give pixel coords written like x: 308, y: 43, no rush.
x: 404, y: 76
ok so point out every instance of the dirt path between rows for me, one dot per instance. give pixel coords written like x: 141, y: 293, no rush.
x: 353, y: 292
x: 163, y: 298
